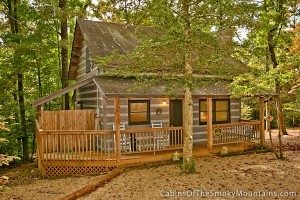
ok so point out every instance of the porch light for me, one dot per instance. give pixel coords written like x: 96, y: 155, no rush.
x: 164, y: 102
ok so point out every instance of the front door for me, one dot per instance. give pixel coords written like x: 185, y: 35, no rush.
x: 176, y: 119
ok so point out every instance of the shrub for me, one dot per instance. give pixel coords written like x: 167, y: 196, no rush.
x: 190, y: 169
x: 5, y: 159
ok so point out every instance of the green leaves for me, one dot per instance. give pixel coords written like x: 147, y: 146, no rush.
x: 259, y: 82
x: 5, y: 159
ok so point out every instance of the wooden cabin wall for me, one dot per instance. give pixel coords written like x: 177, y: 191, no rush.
x: 154, y: 104
x: 87, y: 98
x: 200, y: 135
x: 88, y: 95
x: 235, y: 110
x: 81, y: 71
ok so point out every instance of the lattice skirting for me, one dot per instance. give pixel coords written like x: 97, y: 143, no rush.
x: 56, y: 170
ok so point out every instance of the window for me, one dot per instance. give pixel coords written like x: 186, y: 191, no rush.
x: 139, y: 112
x: 220, y: 111
x: 87, y: 61
x: 203, y: 111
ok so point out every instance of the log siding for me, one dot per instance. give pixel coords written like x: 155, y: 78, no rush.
x: 81, y: 70
x: 88, y: 96
x: 200, y: 132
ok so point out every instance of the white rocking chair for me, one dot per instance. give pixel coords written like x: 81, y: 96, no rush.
x: 125, y: 143
x: 161, y: 140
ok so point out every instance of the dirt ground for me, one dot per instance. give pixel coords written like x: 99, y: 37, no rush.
x: 249, y: 176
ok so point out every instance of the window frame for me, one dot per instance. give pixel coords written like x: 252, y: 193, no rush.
x: 147, y: 121
x: 88, y: 66
x: 202, y: 100
x: 214, y: 112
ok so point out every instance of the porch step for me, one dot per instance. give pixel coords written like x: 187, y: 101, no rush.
x: 130, y: 157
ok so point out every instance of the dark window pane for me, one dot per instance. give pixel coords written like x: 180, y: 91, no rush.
x: 221, y: 105
x: 202, y: 111
x: 203, y: 117
x: 138, y: 107
x: 139, y: 112
x: 222, y: 116
x: 221, y: 111
x: 138, y: 117
x: 203, y: 105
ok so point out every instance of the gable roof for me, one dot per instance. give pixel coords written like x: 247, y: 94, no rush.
x: 102, y: 38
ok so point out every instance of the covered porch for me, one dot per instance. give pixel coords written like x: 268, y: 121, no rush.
x: 72, y: 142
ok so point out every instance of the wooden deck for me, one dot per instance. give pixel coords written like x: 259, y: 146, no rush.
x: 85, y: 165
x: 65, y: 147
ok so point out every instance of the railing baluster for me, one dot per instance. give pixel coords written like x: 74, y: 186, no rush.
x: 53, y: 147
x: 237, y: 132
x: 88, y: 146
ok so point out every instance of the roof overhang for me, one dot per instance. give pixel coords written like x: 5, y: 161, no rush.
x: 45, y: 99
x: 126, y: 87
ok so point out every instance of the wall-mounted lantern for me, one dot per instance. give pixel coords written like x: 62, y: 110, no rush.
x: 158, y: 111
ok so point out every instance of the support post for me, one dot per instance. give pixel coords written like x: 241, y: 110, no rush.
x: 97, y: 123
x: 41, y: 116
x: 117, y: 125
x: 38, y: 139
x: 261, y: 119
x: 97, y: 117
x: 209, y: 124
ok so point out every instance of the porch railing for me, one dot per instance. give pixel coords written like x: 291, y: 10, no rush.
x: 236, y: 132
x: 101, y: 145
x: 76, y: 145
x: 151, y: 139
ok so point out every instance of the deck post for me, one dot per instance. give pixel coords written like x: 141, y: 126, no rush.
x: 209, y: 124
x: 38, y: 139
x: 117, y: 125
x: 40, y: 116
x: 261, y: 119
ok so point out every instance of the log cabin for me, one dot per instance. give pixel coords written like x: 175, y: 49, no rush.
x: 115, y: 125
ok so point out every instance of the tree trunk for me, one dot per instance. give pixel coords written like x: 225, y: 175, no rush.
x: 14, y: 26
x: 23, y: 117
x: 188, y: 130
x: 39, y: 77
x: 188, y: 101
x: 280, y: 119
x: 268, y: 128
x: 280, y: 128
x: 64, y: 51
